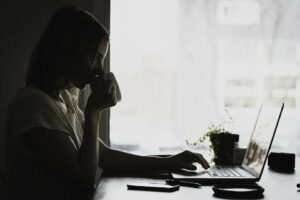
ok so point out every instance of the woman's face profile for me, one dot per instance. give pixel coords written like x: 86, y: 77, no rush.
x: 82, y: 70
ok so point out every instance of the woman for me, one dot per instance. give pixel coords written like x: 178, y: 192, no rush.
x: 54, y: 149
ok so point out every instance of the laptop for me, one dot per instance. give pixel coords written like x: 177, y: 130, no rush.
x: 255, y: 157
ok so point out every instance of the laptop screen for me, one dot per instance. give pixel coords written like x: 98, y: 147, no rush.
x: 262, y: 136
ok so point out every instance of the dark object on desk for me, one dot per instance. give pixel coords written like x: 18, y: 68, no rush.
x: 183, y: 183
x: 282, y: 162
x: 237, y: 191
x: 298, y: 185
x: 152, y: 187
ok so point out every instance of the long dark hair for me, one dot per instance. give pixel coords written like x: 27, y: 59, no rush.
x: 69, y: 30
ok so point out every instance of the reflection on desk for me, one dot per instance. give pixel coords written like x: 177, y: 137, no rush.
x: 277, y: 186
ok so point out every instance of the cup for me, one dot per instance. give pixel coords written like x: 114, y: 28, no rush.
x: 111, y: 76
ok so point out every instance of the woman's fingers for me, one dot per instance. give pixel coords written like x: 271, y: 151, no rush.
x: 202, y: 161
x: 103, y: 93
x: 186, y: 160
x: 110, y: 85
x: 196, y: 157
x: 180, y: 164
x: 111, y: 100
x: 191, y: 167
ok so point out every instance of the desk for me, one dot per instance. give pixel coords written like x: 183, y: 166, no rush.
x: 277, y: 187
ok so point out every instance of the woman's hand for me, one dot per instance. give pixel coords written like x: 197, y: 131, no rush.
x: 103, y: 93
x: 185, y: 160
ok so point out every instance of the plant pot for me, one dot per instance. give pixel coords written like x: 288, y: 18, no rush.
x: 223, y: 145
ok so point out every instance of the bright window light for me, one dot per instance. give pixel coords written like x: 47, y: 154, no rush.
x: 238, y: 12
x: 178, y: 70
x: 298, y: 52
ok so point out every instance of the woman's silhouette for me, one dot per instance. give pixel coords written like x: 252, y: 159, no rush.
x: 54, y: 147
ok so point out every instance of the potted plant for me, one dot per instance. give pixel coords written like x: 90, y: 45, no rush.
x: 222, y: 142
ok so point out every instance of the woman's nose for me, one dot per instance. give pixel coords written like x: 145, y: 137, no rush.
x: 95, y: 72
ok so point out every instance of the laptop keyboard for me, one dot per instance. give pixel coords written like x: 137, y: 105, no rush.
x: 221, y: 171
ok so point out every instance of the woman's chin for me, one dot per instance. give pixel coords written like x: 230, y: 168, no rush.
x: 80, y: 85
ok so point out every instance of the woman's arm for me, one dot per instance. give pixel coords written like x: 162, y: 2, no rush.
x: 59, y: 153
x: 88, y: 154
x: 57, y: 149
x: 111, y: 159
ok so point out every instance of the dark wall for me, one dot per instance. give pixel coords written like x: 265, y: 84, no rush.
x: 21, y: 24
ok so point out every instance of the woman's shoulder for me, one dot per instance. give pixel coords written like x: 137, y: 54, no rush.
x: 32, y: 108
x: 29, y: 102
x: 30, y: 96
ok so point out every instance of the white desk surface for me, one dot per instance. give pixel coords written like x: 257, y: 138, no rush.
x: 277, y: 186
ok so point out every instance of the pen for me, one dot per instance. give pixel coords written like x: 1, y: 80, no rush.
x: 183, y: 183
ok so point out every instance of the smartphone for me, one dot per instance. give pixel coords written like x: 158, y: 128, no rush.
x: 153, y: 187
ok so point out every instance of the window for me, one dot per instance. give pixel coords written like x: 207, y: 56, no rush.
x: 181, y: 63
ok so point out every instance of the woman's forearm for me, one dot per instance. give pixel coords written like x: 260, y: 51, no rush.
x: 111, y: 159
x: 89, y: 150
